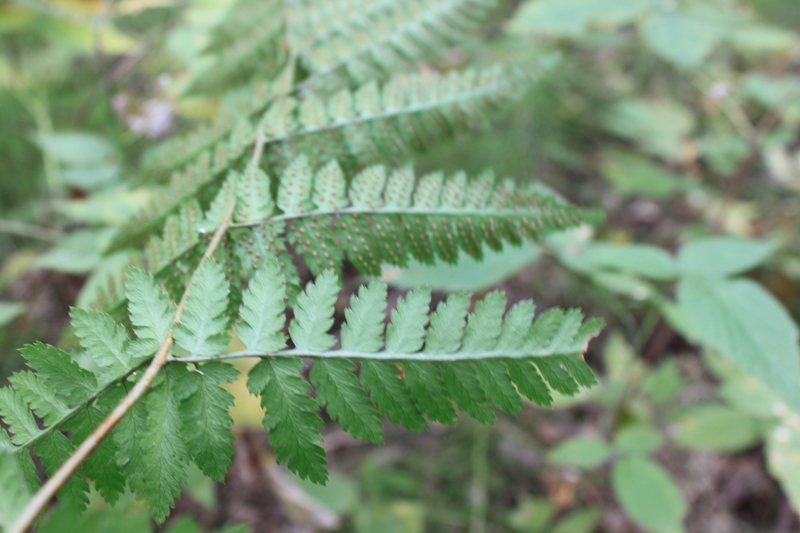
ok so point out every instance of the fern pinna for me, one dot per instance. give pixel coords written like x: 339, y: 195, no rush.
x: 304, y: 170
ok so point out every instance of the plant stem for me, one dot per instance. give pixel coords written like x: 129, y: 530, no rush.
x: 66, y: 470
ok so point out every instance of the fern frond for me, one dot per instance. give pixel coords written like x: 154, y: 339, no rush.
x: 476, y: 360
x: 14, y: 491
x: 409, y: 114
x: 390, y: 218
x: 420, y: 364
x: 344, y: 43
x: 249, y: 42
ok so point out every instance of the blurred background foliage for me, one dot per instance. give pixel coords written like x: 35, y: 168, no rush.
x: 678, y: 117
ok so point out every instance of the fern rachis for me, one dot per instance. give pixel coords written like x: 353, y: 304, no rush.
x: 292, y: 173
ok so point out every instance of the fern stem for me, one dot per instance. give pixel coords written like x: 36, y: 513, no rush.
x: 47, y: 491
x: 384, y: 356
x: 416, y: 211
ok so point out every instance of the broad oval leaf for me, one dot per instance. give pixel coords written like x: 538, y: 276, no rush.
x: 648, y: 495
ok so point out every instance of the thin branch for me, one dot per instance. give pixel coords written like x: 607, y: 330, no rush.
x: 66, y: 470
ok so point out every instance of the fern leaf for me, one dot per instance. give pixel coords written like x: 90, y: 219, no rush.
x: 389, y: 219
x: 150, y: 312
x: 42, y: 400
x: 460, y: 379
x: 291, y: 416
x: 410, y: 113
x: 100, y: 466
x: 129, y: 437
x: 17, y: 417
x: 163, y: 446
x: 60, y: 372
x: 203, y: 328
x: 254, y: 199
x: 482, y: 334
x: 205, y: 417
x: 262, y: 310
x: 14, y: 491
x: 314, y: 314
x: 378, y: 37
x: 231, y: 187
x: 294, y: 191
x: 104, y: 340
x: 54, y: 449
x: 339, y: 392
x: 363, y: 331
x: 406, y: 334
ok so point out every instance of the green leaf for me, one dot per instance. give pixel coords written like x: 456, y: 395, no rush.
x: 9, y: 311
x: 291, y: 416
x: 54, y: 449
x: 406, y: 331
x: 642, y: 259
x: 203, y: 329
x: 254, y: 199
x: 263, y: 310
x: 571, y: 17
x: 206, y: 419
x: 363, y: 331
x: 17, y: 416
x: 129, y: 436
x: 363, y: 328
x: 659, y: 126
x: 741, y: 320
x: 100, y: 466
x: 631, y: 174
x: 586, y: 453
x: 163, y: 446
x: 680, y: 39
x: 585, y: 520
x: 105, y: 341
x: 663, y: 382
x: 41, y: 399
x: 648, y: 495
x: 338, y: 390
x: 460, y: 379
x: 14, y: 492
x: 715, y: 427
x: 639, y: 439
x: 149, y: 310
x: 314, y: 314
x: 532, y: 515
x: 468, y: 273
x: 722, y: 256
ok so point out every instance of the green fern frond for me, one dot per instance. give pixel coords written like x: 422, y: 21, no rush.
x: 384, y: 217
x: 250, y: 42
x: 420, y: 364
x: 409, y: 114
x: 14, y: 491
x: 349, y: 43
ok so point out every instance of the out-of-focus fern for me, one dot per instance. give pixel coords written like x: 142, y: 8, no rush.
x: 346, y: 43
x: 374, y: 124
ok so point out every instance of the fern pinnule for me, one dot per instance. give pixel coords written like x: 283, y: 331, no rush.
x: 343, y: 44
